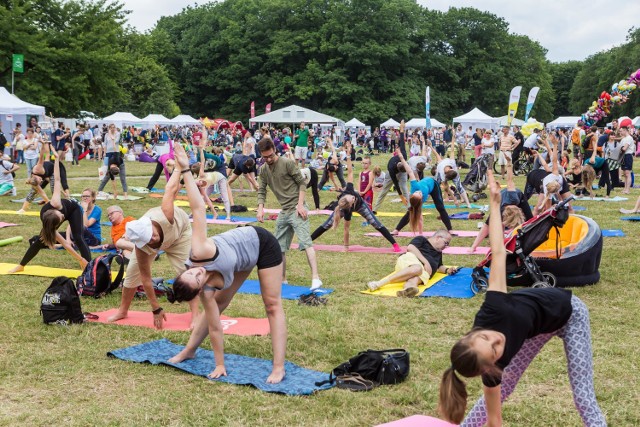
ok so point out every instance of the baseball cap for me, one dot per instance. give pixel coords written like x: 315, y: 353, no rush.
x: 139, y: 231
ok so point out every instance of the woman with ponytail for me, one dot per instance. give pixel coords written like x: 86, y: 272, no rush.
x: 509, y: 330
x: 350, y: 201
x: 420, y: 192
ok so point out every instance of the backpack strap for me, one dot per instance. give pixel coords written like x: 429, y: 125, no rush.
x: 116, y: 282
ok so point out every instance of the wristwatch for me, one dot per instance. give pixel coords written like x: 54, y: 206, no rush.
x: 157, y: 311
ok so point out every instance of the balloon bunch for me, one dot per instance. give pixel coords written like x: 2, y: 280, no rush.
x: 619, y: 94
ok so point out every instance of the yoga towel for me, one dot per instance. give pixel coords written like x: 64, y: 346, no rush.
x: 7, y: 224
x: 391, y: 289
x: 143, y: 190
x: 24, y: 199
x: 455, y: 286
x: 42, y: 271
x: 288, y: 291
x: 602, y: 199
x: 242, y: 326
x: 462, y: 206
x: 418, y: 421
x: 613, y: 233
x: 451, y: 250
x: 240, y: 369
x: 454, y: 233
x: 630, y: 218
x: 27, y: 213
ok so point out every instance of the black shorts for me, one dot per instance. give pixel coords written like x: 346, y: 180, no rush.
x: 269, y: 253
x: 627, y: 162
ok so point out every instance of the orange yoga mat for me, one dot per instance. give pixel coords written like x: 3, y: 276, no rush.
x: 242, y: 326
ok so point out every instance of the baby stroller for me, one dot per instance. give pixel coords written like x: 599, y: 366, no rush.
x: 522, y: 269
x: 476, y: 180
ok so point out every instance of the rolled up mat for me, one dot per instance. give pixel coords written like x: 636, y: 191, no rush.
x: 601, y: 199
x: 7, y: 224
x: 613, y: 233
x: 242, y: 326
x: 390, y: 289
x: 27, y: 213
x: 454, y: 286
x: 451, y: 250
x: 241, y: 370
x: 454, y: 233
x: 630, y: 218
x: 10, y: 240
x: 418, y: 421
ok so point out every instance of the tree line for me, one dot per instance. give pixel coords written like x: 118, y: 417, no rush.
x: 371, y: 59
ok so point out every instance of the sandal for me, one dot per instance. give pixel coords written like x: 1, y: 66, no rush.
x: 354, y: 382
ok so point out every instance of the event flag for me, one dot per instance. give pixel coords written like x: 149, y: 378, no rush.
x: 267, y: 108
x: 427, y: 107
x: 514, y: 99
x: 530, y: 101
x: 18, y: 63
x: 253, y: 109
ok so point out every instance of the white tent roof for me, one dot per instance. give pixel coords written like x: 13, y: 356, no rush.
x: 11, y: 104
x: 502, y: 121
x: 354, y: 123
x: 564, y: 121
x: 156, y: 119
x: 122, y: 118
x: 390, y: 124
x: 475, y: 116
x: 636, y: 121
x: 422, y: 123
x: 184, y: 119
x: 295, y: 114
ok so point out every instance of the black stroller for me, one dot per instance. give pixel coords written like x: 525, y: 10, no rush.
x: 522, y: 269
x: 476, y: 180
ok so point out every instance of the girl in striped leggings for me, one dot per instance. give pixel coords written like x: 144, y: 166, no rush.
x: 509, y: 330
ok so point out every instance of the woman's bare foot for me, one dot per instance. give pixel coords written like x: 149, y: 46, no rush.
x: 394, y: 233
x: 118, y: 316
x: 182, y: 356
x: 16, y: 269
x: 277, y: 375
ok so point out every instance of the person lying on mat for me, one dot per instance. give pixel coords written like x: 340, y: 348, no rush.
x: 207, y: 181
x: 422, y: 260
x: 216, y: 268
x: 118, y: 229
x: 41, y: 175
x: 420, y: 192
x: 52, y: 215
x: 515, y: 210
x: 165, y: 228
x: 350, y: 201
x: 508, y: 331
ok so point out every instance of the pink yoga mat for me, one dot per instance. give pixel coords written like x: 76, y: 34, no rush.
x: 418, y: 421
x: 242, y: 326
x: 224, y: 222
x: 451, y: 250
x: 7, y: 224
x: 460, y: 233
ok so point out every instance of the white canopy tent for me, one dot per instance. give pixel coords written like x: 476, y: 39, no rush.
x: 636, y: 121
x: 14, y: 110
x: 296, y: 114
x: 476, y: 119
x: 354, y: 123
x: 564, y: 122
x: 121, y: 119
x: 155, y: 119
x: 503, y: 120
x: 390, y: 124
x: 184, y: 119
x: 422, y: 123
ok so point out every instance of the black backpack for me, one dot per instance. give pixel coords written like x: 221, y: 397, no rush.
x: 60, y: 303
x: 586, y: 142
x: 95, y: 280
x: 380, y: 366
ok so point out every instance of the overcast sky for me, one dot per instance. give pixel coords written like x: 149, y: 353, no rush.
x: 568, y: 29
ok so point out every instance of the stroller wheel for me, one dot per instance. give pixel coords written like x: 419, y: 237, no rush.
x: 540, y: 285
x: 479, y: 285
x: 550, y: 279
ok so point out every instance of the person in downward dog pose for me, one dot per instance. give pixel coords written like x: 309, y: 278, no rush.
x: 509, y: 330
x: 216, y: 268
x: 349, y: 202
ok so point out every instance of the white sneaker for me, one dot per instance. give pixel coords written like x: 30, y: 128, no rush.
x: 14, y: 192
x: 373, y: 286
x: 316, y: 284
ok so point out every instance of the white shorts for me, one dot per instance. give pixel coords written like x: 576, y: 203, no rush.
x: 300, y: 153
x: 504, y: 158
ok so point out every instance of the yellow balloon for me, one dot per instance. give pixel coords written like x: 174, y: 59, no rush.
x: 527, y: 128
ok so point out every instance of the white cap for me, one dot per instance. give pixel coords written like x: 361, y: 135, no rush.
x: 139, y: 231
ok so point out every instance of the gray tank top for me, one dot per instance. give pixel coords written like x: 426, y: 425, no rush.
x: 237, y: 250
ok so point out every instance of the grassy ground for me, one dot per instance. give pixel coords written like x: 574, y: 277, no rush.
x: 61, y: 375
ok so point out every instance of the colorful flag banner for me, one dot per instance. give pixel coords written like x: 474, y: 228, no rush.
x: 267, y: 108
x: 253, y: 109
x: 530, y: 101
x: 427, y: 108
x: 514, y: 99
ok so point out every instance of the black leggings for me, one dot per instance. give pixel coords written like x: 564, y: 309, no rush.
x: 436, y: 195
x: 325, y: 177
x: 156, y: 175
x: 605, y: 178
x: 313, y: 183
x: 77, y: 230
x: 366, y: 213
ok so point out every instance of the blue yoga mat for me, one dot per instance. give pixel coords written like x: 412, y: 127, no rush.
x: 630, y: 218
x: 456, y: 286
x: 288, y: 291
x: 161, y: 191
x: 241, y: 370
x: 235, y: 218
x: 462, y: 206
x: 613, y: 233
x: 459, y: 215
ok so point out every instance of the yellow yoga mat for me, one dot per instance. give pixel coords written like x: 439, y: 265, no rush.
x: 42, y: 271
x: 391, y: 289
x: 27, y: 213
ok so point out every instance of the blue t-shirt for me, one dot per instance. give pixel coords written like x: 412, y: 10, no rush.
x: 96, y: 214
x: 599, y: 161
x: 426, y: 185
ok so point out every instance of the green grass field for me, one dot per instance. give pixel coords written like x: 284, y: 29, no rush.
x: 52, y: 375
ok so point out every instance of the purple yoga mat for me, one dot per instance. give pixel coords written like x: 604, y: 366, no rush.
x: 460, y: 233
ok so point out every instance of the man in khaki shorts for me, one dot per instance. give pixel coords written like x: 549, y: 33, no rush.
x: 288, y: 185
x: 164, y: 228
x: 508, y: 143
